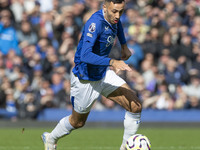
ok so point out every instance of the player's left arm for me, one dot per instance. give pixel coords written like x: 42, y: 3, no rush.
x: 125, y: 52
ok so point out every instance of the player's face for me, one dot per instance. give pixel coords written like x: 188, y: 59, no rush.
x: 113, y: 11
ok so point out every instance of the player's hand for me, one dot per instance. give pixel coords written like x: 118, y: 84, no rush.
x: 125, y: 52
x: 119, y: 65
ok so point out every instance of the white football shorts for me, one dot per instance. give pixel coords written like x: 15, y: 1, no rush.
x: 85, y: 93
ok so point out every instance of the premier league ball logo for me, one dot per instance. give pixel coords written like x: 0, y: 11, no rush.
x: 92, y: 27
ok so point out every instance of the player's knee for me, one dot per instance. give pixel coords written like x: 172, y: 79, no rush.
x: 136, y: 107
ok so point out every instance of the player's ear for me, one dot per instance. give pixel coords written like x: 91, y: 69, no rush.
x: 104, y: 8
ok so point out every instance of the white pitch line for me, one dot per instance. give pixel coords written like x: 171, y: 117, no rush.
x: 175, y: 148
x: 102, y: 148
x: 64, y: 148
x: 154, y: 148
x: 14, y: 147
x: 90, y: 148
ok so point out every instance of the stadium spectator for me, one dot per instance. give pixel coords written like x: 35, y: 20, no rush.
x: 192, y: 89
x: 56, y: 83
x: 180, y: 98
x: 192, y: 103
x: 17, y: 8
x: 25, y: 34
x: 138, y: 29
x: 148, y: 71
x: 196, y: 61
x: 45, y: 95
x: 63, y: 96
x: 5, y: 5
x: 29, y: 107
x: 45, y: 5
x: 78, y: 12
x: 32, y: 13
x: 131, y: 77
x: 164, y: 30
x: 5, y: 84
x: 162, y: 100
x: 151, y: 43
x: 174, y: 73
x: 37, y: 77
x: 8, y: 37
x: 166, y: 44
x: 137, y: 53
x: 9, y: 62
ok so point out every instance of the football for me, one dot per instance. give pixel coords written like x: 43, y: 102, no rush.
x: 138, y: 142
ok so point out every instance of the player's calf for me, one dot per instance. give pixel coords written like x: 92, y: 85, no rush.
x: 77, y: 120
x: 77, y: 124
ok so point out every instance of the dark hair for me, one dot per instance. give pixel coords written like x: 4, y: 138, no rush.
x: 115, y: 1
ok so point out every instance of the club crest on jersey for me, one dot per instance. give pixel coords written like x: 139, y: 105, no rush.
x: 92, y: 27
x: 110, y: 41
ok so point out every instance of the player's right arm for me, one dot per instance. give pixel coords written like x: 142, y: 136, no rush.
x: 92, y: 30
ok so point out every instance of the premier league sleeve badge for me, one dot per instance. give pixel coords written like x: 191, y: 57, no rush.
x: 92, y: 27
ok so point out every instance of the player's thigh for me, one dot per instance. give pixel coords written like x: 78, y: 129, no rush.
x: 127, y: 98
x: 83, y: 95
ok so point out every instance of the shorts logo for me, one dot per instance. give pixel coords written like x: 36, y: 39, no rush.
x: 92, y: 27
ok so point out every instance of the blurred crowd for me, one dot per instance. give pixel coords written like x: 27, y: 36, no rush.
x: 38, y: 40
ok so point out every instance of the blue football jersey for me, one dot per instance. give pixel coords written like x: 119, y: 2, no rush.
x: 91, y: 58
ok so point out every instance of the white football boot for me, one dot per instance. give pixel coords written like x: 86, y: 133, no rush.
x: 123, y: 147
x: 48, y: 144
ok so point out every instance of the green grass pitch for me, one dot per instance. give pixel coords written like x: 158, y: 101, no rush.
x: 100, y: 139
